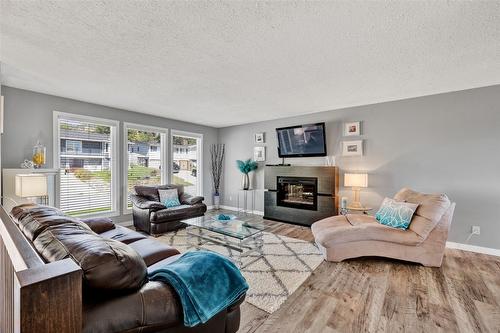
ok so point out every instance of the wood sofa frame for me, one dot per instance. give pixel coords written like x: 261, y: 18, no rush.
x: 36, y: 296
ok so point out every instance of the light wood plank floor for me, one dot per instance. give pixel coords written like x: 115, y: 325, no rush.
x: 383, y: 295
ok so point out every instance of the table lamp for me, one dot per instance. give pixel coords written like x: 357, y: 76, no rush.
x: 32, y: 186
x: 356, y: 181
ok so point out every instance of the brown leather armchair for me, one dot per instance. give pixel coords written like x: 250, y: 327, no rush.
x: 151, y: 216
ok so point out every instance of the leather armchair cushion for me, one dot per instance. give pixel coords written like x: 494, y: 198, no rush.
x: 177, y: 213
x: 99, y: 224
x: 145, y: 203
x: 153, y: 251
x: 151, y: 192
x: 107, y: 264
x: 122, y: 234
x: 189, y: 200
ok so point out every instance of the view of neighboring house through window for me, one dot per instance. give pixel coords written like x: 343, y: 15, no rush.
x: 186, y: 165
x: 145, y: 157
x: 85, y: 158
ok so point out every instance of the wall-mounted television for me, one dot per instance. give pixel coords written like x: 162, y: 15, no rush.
x: 302, y: 140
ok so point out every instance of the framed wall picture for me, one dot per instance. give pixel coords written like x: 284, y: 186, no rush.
x: 259, y: 154
x: 352, y: 128
x: 259, y: 138
x: 352, y: 148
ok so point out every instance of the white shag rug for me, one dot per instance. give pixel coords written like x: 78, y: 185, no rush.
x: 286, y: 264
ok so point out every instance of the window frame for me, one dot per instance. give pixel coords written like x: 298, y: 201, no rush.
x: 163, y: 157
x: 199, y: 171
x: 114, y: 130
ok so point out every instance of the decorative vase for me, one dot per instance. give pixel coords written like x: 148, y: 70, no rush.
x: 216, y: 201
x: 39, y: 153
x: 245, y: 182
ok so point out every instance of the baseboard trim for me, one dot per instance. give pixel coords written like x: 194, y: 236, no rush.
x: 235, y: 209
x: 473, y: 248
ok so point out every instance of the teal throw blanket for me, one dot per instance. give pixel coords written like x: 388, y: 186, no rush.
x: 206, y: 283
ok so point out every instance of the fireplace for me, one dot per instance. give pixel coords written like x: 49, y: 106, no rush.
x: 300, y: 194
x: 297, y: 192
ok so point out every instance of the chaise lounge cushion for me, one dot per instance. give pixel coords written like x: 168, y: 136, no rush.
x: 431, y: 208
x: 339, y: 229
x: 107, y: 264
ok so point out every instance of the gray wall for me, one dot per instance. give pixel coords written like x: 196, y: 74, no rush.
x: 443, y: 143
x: 29, y: 117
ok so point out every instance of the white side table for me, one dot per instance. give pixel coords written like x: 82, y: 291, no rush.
x: 364, y: 210
x: 244, y: 208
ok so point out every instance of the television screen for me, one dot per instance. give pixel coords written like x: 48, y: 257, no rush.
x: 302, y: 140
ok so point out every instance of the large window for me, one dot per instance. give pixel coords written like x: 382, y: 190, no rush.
x: 85, y: 153
x: 145, y: 158
x: 187, y: 160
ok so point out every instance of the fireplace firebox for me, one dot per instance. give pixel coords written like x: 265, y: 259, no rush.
x: 297, y: 192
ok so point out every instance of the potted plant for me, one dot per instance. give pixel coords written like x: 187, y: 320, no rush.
x: 246, y: 167
x: 216, y: 159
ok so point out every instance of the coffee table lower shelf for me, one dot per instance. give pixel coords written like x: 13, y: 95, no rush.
x: 199, y: 237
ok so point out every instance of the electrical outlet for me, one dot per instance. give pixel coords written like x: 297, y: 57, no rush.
x: 476, y: 230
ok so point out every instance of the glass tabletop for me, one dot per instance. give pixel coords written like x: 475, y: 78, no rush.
x: 240, y: 227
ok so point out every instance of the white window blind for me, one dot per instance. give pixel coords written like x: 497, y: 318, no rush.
x: 145, y: 158
x: 86, y: 163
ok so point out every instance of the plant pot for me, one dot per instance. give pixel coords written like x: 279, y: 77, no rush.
x: 245, y: 182
x: 216, y: 201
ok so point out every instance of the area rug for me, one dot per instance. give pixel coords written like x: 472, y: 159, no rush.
x: 286, y: 264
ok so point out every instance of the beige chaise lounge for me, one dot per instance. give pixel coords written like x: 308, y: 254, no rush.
x: 343, y: 237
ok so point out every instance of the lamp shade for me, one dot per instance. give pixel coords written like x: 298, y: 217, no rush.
x: 356, y: 180
x: 31, y: 185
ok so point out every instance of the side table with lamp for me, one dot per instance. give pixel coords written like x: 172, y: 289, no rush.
x: 357, y: 181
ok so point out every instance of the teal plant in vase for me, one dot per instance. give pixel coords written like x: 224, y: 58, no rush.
x: 246, y: 167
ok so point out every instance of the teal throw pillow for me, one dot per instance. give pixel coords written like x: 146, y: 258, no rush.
x: 170, y: 198
x: 396, y: 214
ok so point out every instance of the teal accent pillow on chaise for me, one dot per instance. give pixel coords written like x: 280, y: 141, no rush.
x: 396, y: 214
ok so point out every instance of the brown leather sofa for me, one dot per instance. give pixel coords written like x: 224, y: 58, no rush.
x: 116, y: 295
x: 151, y: 216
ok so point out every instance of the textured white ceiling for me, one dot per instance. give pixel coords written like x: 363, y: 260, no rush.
x: 226, y: 63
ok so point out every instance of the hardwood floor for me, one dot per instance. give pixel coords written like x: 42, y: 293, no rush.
x: 383, y: 295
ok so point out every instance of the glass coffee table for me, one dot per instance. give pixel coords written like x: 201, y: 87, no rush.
x: 242, y: 235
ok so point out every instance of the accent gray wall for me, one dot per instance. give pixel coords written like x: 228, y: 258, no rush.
x: 29, y: 117
x: 442, y: 143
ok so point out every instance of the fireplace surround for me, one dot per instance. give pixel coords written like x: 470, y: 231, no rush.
x: 300, y: 194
